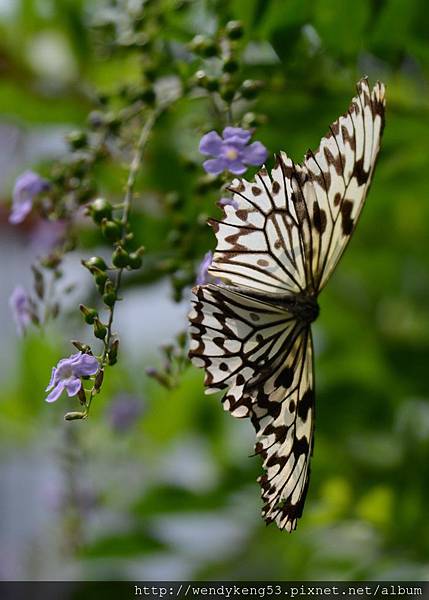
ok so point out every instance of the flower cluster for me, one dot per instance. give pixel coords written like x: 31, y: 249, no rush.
x: 120, y: 125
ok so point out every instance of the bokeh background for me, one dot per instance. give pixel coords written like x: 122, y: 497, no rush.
x: 157, y: 484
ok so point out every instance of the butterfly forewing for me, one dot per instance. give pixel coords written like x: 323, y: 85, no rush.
x: 334, y: 180
x: 277, y: 245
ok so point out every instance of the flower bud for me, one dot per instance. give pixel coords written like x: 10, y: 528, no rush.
x: 100, y: 279
x: 250, y: 88
x: 89, y: 314
x: 74, y: 416
x: 212, y: 84
x: 99, y: 379
x: 120, y: 257
x: 111, y: 230
x: 77, y: 139
x: 39, y: 285
x: 109, y: 298
x: 82, y: 396
x: 230, y: 65
x: 227, y: 92
x: 234, y: 30
x: 81, y: 347
x: 100, y: 209
x: 252, y: 119
x: 200, y: 78
x: 95, y: 261
x: 113, y: 352
x: 203, y: 45
x: 100, y: 330
x: 135, y: 258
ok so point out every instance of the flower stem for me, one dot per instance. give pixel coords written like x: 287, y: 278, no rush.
x: 126, y: 208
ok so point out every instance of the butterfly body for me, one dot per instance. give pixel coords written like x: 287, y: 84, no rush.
x: 277, y: 245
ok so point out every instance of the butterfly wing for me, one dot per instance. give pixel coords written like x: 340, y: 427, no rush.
x: 330, y: 186
x: 262, y: 356
x: 258, y: 240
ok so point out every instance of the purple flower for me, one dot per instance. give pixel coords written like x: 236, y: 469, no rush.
x: 20, y: 306
x: 66, y: 375
x: 124, y: 411
x: 202, y: 273
x: 231, y: 153
x: 27, y: 186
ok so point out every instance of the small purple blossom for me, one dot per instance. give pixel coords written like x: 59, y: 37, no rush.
x: 125, y: 409
x: 20, y: 306
x: 27, y: 187
x: 231, y: 152
x: 66, y: 375
x: 202, y: 273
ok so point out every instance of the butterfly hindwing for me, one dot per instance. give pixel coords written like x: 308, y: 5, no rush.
x: 236, y: 339
x: 262, y: 356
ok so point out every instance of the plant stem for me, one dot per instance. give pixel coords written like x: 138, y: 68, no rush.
x: 129, y: 191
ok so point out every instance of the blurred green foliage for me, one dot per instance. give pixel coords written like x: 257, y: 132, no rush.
x: 366, y: 514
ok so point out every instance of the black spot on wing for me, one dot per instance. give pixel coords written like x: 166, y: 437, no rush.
x: 346, y: 219
x: 305, y: 403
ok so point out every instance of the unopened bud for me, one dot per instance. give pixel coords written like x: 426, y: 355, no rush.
x: 251, y: 88
x: 120, y: 257
x: 99, y: 379
x: 89, y: 314
x: 234, y: 30
x: 111, y: 230
x: 100, y: 330
x: 39, y: 285
x: 82, y: 396
x: 74, y: 416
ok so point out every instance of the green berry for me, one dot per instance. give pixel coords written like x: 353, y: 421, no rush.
x: 120, y: 257
x: 100, y: 209
x: 135, y: 260
x: 234, y: 30
x: 212, y: 84
x: 100, y: 330
x: 111, y: 230
x: 89, y: 314
x: 250, y: 88
x: 77, y: 139
x: 227, y: 92
x: 109, y: 299
x: 230, y: 65
x: 95, y: 261
x: 200, y: 78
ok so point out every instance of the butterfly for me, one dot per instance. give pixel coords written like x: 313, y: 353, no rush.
x: 278, y: 243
